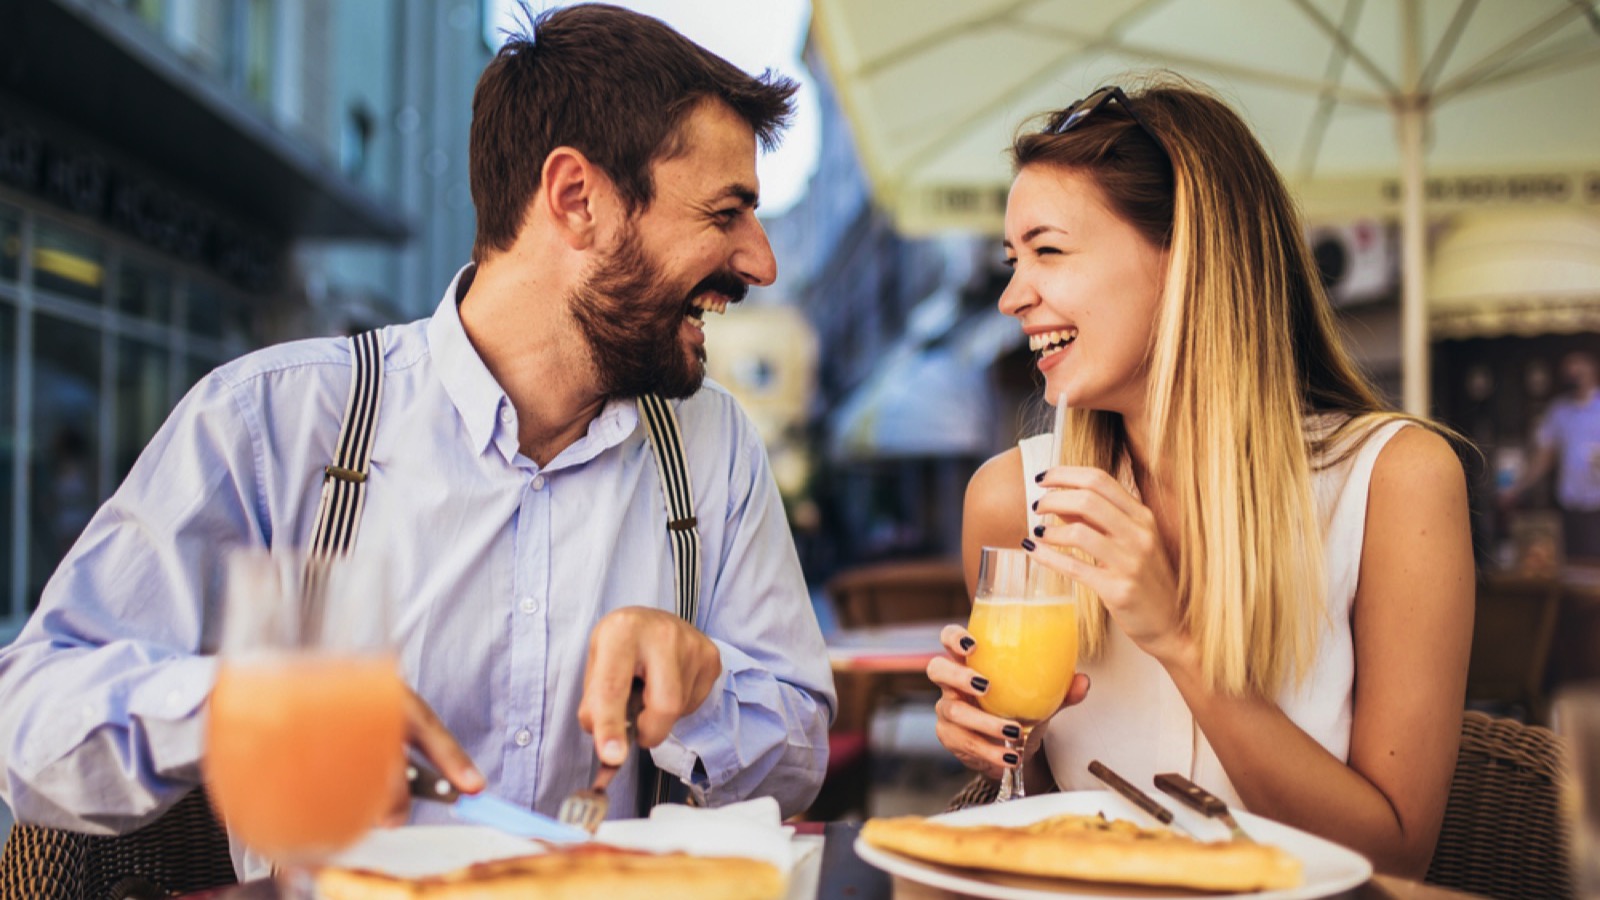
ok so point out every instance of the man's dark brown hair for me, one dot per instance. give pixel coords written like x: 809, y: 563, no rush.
x: 613, y: 84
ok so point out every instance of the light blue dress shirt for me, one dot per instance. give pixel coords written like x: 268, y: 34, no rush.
x: 501, y: 567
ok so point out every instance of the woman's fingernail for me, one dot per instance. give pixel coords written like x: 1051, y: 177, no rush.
x: 1038, y: 531
x: 1035, y: 506
x: 613, y: 753
x: 980, y: 683
x: 1010, y: 758
x: 1028, y: 545
x: 1038, y: 478
x: 967, y: 643
x: 1012, y: 731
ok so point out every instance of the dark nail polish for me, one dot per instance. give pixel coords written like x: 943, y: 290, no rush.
x: 1011, y: 759
x: 980, y: 683
x: 1035, y: 505
x: 1038, y: 478
x: 1038, y: 531
x: 1012, y: 731
x: 1028, y: 544
x: 967, y: 643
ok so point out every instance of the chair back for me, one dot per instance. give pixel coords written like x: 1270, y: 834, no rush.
x: 902, y: 591
x: 1503, y: 834
x: 183, y: 851
x: 1514, y: 625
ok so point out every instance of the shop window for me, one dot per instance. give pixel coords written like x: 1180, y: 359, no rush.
x: 67, y: 263
x: 143, y: 400
x: 65, y: 452
x: 145, y: 292
x: 10, y: 243
x: 8, y: 445
x: 218, y: 316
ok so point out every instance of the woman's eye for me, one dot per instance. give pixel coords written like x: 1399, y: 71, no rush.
x: 1009, y: 262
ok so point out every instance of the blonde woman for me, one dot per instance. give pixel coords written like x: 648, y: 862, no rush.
x: 1275, y: 571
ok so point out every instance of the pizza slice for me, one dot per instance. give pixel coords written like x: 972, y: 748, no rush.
x: 1090, y: 848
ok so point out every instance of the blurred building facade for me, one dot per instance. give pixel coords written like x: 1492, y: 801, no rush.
x: 185, y: 180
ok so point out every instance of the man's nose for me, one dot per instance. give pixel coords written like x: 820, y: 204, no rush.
x: 753, y: 260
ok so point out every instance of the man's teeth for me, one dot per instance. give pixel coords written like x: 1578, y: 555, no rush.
x: 710, y: 303
x: 1049, y: 340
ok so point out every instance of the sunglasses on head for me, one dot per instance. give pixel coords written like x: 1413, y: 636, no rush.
x: 1077, y: 112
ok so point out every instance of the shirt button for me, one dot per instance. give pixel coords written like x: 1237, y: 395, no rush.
x: 505, y: 416
x: 530, y: 605
x: 524, y: 738
x: 538, y: 482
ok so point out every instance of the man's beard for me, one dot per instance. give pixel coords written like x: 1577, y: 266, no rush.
x: 631, y: 318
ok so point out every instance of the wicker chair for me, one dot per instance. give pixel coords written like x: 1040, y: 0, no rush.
x: 1503, y: 834
x: 183, y: 851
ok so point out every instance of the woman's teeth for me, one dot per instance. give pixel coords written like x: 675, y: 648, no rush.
x: 1048, y: 342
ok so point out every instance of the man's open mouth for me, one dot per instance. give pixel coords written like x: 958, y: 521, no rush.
x: 706, y: 303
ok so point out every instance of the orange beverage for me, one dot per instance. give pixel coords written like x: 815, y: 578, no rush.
x: 1028, y: 649
x: 304, y: 751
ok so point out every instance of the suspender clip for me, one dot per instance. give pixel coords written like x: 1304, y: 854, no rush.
x: 343, y: 474
x: 683, y: 524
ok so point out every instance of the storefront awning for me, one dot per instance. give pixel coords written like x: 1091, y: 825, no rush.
x: 1516, y: 273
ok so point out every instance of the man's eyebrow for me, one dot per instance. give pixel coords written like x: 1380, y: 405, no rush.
x: 1034, y: 232
x: 745, y: 194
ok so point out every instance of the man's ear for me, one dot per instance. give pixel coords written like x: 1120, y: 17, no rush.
x: 571, y: 186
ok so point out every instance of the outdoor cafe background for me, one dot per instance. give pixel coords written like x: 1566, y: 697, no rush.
x: 320, y: 186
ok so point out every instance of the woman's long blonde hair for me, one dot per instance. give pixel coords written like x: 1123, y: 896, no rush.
x: 1243, y: 350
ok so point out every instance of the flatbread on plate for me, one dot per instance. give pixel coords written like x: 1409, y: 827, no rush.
x: 583, y: 871
x: 1090, y: 848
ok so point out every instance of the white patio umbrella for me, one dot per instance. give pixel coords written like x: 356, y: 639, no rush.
x: 1344, y: 94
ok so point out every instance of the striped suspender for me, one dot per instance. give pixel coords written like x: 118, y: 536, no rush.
x: 661, y: 425
x: 344, y: 484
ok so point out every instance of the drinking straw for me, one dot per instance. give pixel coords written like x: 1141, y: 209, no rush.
x: 1060, y: 433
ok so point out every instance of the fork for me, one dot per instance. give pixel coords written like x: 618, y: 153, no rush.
x: 586, y: 808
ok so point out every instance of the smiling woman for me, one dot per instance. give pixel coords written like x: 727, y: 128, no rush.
x: 1254, y: 537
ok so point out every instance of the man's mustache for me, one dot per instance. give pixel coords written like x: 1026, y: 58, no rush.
x: 725, y: 283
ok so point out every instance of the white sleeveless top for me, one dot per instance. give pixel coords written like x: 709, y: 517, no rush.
x: 1135, y: 721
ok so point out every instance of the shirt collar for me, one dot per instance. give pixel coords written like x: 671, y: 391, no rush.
x: 479, y: 398
x: 473, y: 390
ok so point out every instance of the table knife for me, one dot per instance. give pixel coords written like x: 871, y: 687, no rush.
x: 1201, y: 801
x: 1133, y: 795
x: 486, y: 809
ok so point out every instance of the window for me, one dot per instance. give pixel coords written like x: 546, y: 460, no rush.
x: 143, y: 400
x: 10, y: 243
x: 67, y: 263
x: 8, y: 445
x: 64, y: 459
x: 145, y: 292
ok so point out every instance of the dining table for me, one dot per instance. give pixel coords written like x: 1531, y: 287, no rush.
x: 830, y: 869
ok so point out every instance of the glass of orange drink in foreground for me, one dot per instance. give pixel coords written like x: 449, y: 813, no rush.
x: 305, y: 736
x: 1025, y: 623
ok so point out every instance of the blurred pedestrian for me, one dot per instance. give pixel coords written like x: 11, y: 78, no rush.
x: 1569, y: 436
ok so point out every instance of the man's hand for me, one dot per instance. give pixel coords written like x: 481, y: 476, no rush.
x: 428, y: 735
x: 678, y: 665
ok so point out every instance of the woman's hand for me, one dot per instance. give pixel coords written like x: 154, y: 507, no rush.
x: 1131, y: 572
x: 975, y: 737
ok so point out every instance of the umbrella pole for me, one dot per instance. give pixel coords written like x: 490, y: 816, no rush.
x: 1415, y: 366
x: 1411, y: 111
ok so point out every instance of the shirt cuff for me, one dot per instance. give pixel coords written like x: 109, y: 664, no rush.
x: 702, y: 749
x: 170, y: 708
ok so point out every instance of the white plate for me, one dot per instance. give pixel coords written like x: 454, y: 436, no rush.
x: 1329, y: 868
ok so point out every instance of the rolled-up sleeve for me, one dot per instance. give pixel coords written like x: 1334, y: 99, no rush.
x: 763, y: 729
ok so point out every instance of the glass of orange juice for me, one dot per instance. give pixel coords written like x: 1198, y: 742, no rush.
x: 1025, y: 622
x: 305, y: 732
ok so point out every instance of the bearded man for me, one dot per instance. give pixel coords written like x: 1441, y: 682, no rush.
x: 512, y: 490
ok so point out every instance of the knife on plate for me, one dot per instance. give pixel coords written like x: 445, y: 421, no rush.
x: 486, y: 809
x: 1201, y: 801
x: 1134, y: 795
